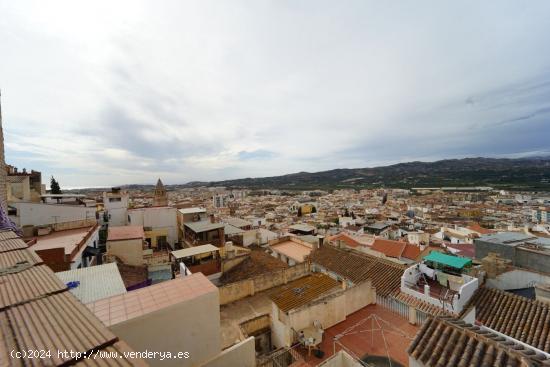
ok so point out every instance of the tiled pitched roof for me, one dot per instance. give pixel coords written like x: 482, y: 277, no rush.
x: 37, y: 312
x: 520, y: 318
x: 421, y: 305
x: 411, y: 252
x: 22, y: 286
x: 479, y: 229
x: 385, y: 275
x: 10, y: 244
x: 450, y: 342
x: 388, y: 247
x: 345, y: 238
x: 12, y: 258
x: 302, y: 291
x: 52, y: 317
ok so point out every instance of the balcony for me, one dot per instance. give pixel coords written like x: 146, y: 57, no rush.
x: 449, y: 291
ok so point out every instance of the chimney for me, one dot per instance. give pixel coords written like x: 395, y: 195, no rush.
x: 321, y: 240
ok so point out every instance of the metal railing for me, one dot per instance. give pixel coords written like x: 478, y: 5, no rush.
x: 279, y: 358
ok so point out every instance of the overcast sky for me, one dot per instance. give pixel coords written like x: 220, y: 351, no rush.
x: 106, y: 93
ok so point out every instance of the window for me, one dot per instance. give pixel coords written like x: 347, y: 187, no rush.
x: 112, y: 200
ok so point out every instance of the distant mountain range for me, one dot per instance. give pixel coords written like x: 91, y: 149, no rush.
x: 515, y: 174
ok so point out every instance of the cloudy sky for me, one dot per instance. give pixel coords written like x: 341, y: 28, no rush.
x: 106, y: 93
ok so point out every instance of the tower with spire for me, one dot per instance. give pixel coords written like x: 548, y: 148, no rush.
x: 161, y: 197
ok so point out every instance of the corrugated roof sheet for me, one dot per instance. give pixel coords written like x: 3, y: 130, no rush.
x: 448, y: 260
x: 302, y: 291
x: 96, y: 282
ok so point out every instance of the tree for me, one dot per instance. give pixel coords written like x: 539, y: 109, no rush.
x: 54, y: 186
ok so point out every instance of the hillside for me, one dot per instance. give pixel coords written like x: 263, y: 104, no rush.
x: 515, y: 174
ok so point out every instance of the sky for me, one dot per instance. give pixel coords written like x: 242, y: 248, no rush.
x: 102, y: 93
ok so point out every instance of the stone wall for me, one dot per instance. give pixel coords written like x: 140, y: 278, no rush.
x: 255, y: 325
x: 235, y: 291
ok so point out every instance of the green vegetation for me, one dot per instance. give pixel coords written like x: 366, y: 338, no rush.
x: 531, y: 174
x: 54, y: 186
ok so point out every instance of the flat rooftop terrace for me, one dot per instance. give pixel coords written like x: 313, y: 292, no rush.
x: 68, y: 239
x: 361, y: 340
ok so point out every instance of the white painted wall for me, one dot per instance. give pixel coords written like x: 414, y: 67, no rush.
x: 263, y: 235
x: 156, y: 218
x: 117, y: 210
x: 341, y: 359
x: 39, y: 214
x: 77, y: 260
x: 466, y: 291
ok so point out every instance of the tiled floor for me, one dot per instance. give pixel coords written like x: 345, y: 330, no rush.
x: 397, y: 332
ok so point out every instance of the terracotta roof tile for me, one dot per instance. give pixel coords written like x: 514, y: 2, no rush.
x: 388, y: 247
x: 4, y: 235
x: 59, y: 322
x: 12, y: 258
x: 520, y: 318
x: 357, y: 267
x: 450, y: 342
x: 28, y: 285
x: 38, y: 312
x: 302, y: 291
x: 421, y: 305
x: 351, y: 242
x: 12, y: 244
x: 411, y: 252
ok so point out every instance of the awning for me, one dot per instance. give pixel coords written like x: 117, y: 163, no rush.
x: 192, y: 251
x: 448, y: 260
